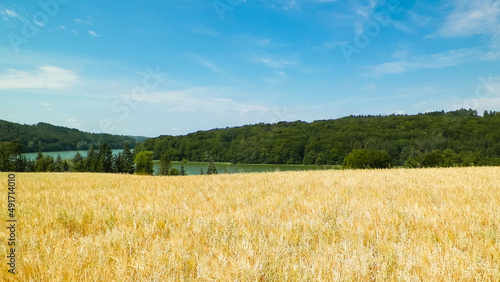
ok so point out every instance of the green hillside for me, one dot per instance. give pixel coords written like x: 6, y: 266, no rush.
x: 48, y: 138
x: 463, y: 137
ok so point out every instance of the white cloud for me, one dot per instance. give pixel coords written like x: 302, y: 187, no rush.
x: 41, y: 24
x: 204, y: 30
x: 7, y: 14
x: 204, y: 100
x: 46, y: 77
x: 433, y: 61
x: 91, y: 32
x: 273, y: 62
x: 292, y: 5
x: 365, y: 13
x: 472, y: 18
x: 206, y: 63
x: 371, y: 86
x: 486, y: 96
x: 10, y: 13
x: 280, y: 77
x: 88, y: 21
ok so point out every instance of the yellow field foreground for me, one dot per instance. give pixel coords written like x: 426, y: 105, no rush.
x: 429, y: 224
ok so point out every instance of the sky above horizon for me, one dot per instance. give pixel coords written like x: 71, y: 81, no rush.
x: 150, y: 68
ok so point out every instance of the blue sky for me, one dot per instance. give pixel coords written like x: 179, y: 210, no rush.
x: 172, y: 67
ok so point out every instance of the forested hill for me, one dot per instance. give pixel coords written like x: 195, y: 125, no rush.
x: 47, y: 137
x: 461, y: 134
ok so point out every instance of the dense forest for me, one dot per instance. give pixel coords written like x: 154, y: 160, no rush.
x: 49, y: 138
x: 436, y: 139
x: 457, y: 138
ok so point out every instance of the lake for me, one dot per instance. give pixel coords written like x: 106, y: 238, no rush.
x: 64, y: 154
x: 193, y: 168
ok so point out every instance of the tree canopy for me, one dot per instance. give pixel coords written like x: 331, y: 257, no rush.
x: 366, y: 158
x: 403, y: 137
x: 49, y: 138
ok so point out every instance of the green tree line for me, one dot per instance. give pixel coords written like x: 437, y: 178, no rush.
x: 49, y: 138
x: 460, y: 138
x: 99, y: 160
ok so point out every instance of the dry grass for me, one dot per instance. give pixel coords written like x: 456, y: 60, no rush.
x: 432, y: 224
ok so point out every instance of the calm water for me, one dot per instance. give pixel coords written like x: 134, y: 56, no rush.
x: 193, y: 168
x: 64, y: 154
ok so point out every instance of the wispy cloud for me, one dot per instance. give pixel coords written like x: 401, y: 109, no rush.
x: 273, y: 62
x: 47, y: 106
x: 364, y: 12
x: 88, y: 21
x: 280, y: 77
x: 433, y: 61
x: 469, y: 18
x: 472, y: 18
x: 46, y: 77
x: 205, y: 62
x: 204, y: 100
x: 211, y: 66
x: 205, y: 30
x: 10, y: 13
x: 91, y: 32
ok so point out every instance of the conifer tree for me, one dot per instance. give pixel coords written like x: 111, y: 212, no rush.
x: 128, y: 159
x: 90, y: 161
x: 105, y: 158
x: 211, y: 167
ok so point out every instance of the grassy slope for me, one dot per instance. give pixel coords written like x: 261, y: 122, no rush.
x: 432, y: 224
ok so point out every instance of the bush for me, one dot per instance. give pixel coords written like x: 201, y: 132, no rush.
x: 144, y: 162
x: 429, y: 159
x: 173, y: 171
x: 365, y: 158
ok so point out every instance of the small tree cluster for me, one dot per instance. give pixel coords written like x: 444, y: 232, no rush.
x: 166, y: 167
x: 449, y: 158
x: 366, y: 158
x: 102, y: 160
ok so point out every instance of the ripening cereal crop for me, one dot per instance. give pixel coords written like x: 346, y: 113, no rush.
x: 422, y: 224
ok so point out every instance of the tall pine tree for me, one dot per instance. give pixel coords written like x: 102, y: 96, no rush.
x: 128, y: 159
x: 105, y: 158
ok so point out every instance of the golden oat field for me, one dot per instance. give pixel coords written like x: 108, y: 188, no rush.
x: 338, y: 225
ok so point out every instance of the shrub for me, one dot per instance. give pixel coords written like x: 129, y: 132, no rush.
x: 365, y: 158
